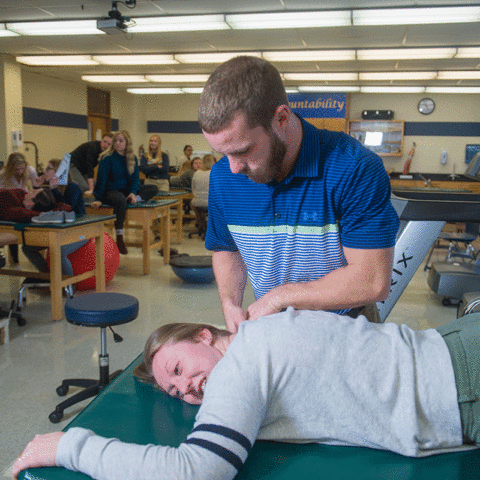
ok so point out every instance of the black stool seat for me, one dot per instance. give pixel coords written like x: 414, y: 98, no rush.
x: 101, y: 309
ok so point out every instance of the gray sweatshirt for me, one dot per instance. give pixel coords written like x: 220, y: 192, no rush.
x: 299, y: 376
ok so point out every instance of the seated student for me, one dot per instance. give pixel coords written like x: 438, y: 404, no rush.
x: 200, y: 184
x: 155, y: 164
x: 20, y: 206
x: 17, y: 173
x: 297, y: 377
x: 118, y: 182
x: 185, y: 176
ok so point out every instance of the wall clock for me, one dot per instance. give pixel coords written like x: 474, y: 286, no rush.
x: 426, y: 106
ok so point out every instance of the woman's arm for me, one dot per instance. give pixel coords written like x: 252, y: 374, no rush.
x: 102, y: 177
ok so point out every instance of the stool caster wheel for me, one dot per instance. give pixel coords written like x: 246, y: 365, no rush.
x: 55, y: 417
x: 446, y: 302
x: 62, y: 391
x: 21, y: 322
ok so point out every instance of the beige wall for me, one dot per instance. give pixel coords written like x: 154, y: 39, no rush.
x: 174, y: 107
x: 448, y: 108
x: 133, y: 112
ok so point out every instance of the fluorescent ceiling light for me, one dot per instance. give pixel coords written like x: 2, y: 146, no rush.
x: 192, y: 89
x: 419, y: 16
x: 178, y: 24
x: 6, y: 33
x: 459, y: 75
x: 155, y: 91
x: 311, y: 19
x: 114, y: 78
x: 452, y: 90
x: 67, y: 27
x: 468, y: 52
x: 338, y: 88
x: 398, y: 76
x: 291, y: 90
x: 57, y: 60
x: 211, y: 57
x: 392, y: 89
x: 309, y: 56
x: 136, y: 59
x: 177, y: 78
x: 325, y: 77
x: 405, y: 53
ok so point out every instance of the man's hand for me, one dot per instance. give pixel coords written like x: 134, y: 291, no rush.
x: 266, y: 305
x: 40, y: 452
x: 88, y: 193
x: 96, y: 204
x: 234, y: 316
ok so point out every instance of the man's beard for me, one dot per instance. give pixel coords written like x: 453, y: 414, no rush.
x: 273, y: 166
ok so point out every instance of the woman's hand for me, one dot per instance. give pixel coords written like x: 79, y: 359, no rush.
x: 96, y: 204
x: 53, y: 183
x: 132, y: 199
x: 38, y: 182
x: 40, y: 452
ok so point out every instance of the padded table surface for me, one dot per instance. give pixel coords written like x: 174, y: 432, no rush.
x: 136, y: 412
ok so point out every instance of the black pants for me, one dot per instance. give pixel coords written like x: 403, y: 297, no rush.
x: 118, y: 200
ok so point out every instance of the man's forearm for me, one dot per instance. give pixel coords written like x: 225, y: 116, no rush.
x: 365, y: 280
x: 231, y: 276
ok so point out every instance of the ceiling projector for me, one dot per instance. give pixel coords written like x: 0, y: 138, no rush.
x: 112, y: 26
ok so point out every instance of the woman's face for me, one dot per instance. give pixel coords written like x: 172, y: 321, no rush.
x: 120, y: 144
x: 49, y: 172
x: 20, y: 170
x: 188, y: 152
x: 182, y: 369
x: 197, y: 164
x: 154, y: 144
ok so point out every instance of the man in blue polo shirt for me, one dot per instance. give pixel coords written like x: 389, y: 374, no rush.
x: 306, y: 213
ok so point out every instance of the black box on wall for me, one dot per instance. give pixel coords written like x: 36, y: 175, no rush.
x: 377, y: 115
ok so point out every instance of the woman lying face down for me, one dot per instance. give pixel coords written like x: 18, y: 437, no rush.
x: 295, y: 376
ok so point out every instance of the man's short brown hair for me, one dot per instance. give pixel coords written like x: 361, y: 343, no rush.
x: 244, y: 84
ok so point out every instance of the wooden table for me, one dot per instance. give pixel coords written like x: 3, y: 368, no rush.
x: 53, y: 236
x: 179, y: 196
x: 150, y: 217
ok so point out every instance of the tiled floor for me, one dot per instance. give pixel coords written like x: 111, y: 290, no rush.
x: 43, y: 352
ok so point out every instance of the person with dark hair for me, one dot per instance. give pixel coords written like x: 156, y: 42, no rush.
x: 118, y: 182
x: 85, y: 158
x: 155, y: 164
x: 71, y: 194
x: 306, y: 213
x: 20, y: 206
x: 416, y: 393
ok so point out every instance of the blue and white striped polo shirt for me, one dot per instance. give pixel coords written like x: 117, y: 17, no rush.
x: 337, y: 194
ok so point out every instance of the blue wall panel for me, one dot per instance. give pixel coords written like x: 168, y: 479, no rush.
x: 443, y: 129
x: 154, y: 126
x: 49, y: 118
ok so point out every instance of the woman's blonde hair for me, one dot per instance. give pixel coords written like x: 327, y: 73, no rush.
x: 129, y: 155
x: 208, y: 161
x: 157, y: 157
x: 171, y: 333
x: 8, y: 172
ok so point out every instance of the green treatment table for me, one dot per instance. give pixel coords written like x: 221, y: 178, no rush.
x: 136, y: 412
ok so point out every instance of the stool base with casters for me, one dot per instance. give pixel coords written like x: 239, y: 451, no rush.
x: 102, y: 310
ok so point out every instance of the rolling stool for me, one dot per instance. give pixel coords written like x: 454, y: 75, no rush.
x: 95, y: 310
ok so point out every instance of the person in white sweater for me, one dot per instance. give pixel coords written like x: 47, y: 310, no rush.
x: 295, y: 376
